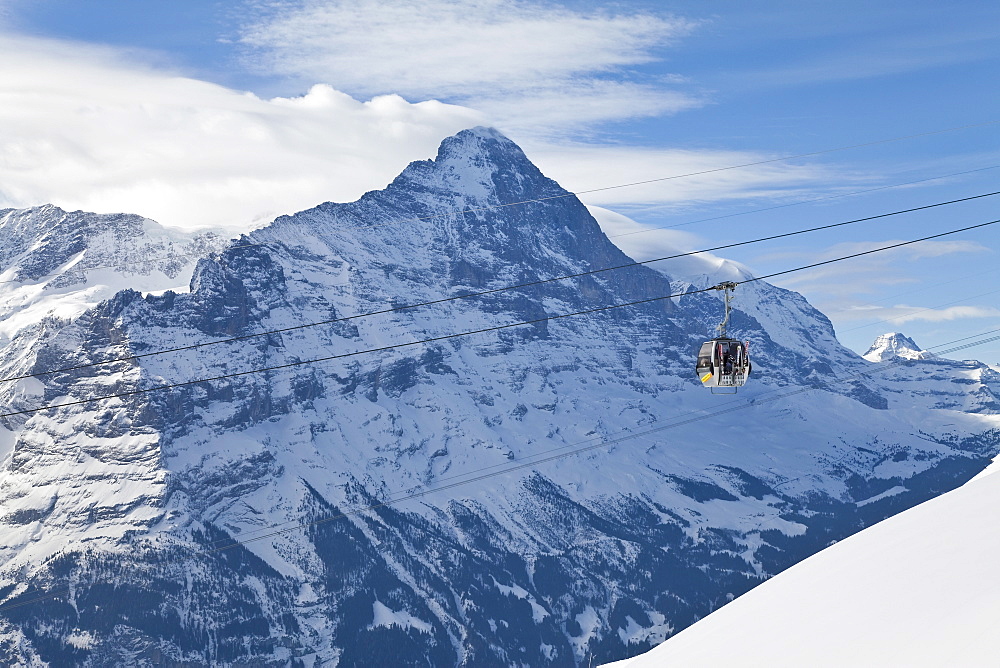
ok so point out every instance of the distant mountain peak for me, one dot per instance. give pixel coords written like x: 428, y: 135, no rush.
x: 892, y: 345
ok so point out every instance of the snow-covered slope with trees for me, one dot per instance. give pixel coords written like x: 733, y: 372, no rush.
x: 114, y: 511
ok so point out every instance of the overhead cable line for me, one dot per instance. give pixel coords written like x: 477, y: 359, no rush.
x: 964, y: 338
x: 484, y: 330
x: 672, y: 177
x: 482, y: 293
x: 492, y: 207
x: 800, y: 203
x: 757, y: 399
x: 695, y: 174
x: 666, y: 178
x: 579, y: 447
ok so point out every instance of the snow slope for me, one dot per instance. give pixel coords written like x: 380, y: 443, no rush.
x: 917, y: 589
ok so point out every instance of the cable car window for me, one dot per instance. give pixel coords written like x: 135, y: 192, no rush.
x: 705, y: 356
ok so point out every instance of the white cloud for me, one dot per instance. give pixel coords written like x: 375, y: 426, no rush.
x: 526, y: 64
x: 654, y: 243
x: 885, y: 55
x: 664, y: 243
x: 84, y: 131
x: 838, y: 289
x: 865, y: 273
x: 590, y: 167
x: 939, y: 248
x: 901, y: 313
x: 566, y: 108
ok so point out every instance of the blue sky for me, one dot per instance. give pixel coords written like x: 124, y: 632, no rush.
x: 203, y: 113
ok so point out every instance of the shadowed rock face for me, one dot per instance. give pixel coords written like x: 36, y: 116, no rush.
x: 128, y: 510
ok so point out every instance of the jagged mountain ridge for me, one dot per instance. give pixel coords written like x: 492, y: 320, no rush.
x: 57, y: 264
x: 47, y: 242
x: 536, y: 568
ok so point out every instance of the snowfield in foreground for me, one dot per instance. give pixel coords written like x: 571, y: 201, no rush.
x: 918, y: 589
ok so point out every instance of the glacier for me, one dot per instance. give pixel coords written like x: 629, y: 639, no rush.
x: 244, y: 521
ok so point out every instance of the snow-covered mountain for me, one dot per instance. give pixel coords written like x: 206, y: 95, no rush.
x: 57, y: 264
x: 918, y: 589
x: 893, y: 346
x: 119, y: 508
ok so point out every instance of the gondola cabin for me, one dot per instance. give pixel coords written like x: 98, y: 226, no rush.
x: 723, y: 363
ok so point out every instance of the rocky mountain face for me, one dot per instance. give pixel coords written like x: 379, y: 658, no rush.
x: 54, y: 264
x: 242, y: 521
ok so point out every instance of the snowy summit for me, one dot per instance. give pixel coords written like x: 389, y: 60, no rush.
x: 895, y: 345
